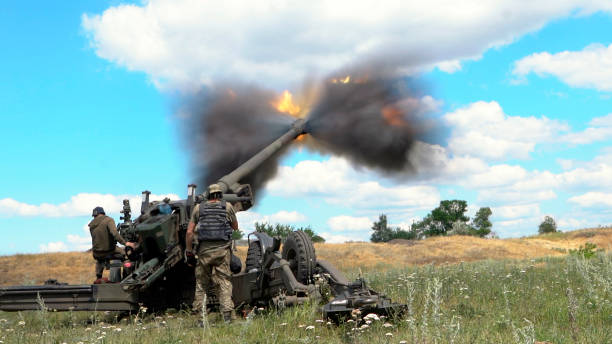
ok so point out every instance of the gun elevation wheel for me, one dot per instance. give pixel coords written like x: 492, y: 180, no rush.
x: 300, y: 253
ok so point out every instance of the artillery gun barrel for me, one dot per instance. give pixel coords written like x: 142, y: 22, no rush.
x: 228, y: 181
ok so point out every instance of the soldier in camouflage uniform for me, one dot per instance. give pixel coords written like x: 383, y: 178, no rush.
x: 104, y: 238
x: 213, y: 221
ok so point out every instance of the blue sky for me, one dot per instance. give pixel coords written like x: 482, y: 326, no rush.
x: 88, y: 88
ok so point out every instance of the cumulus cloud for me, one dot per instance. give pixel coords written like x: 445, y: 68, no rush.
x: 569, y: 223
x: 338, y: 183
x: 79, y: 205
x: 517, y: 211
x: 593, y: 199
x: 600, y: 129
x: 247, y: 219
x: 483, y: 130
x: 339, y: 238
x: 186, y: 42
x: 349, y: 223
x: 57, y: 246
x: 587, y: 68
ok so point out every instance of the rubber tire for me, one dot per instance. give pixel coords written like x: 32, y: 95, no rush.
x: 300, y: 253
x: 254, y: 255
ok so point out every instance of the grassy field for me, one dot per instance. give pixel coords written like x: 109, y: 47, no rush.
x: 77, y: 267
x: 550, y: 297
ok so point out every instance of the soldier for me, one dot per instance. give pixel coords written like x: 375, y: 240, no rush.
x: 215, y: 220
x: 104, y: 238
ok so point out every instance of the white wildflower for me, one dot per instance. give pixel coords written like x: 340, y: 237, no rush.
x: 387, y: 325
x: 319, y: 321
x: 309, y: 327
x: 283, y: 324
x: 371, y: 316
x: 21, y: 323
x: 389, y: 334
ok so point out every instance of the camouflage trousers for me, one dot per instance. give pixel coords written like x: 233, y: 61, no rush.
x: 102, y: 259
x: 214, y: 267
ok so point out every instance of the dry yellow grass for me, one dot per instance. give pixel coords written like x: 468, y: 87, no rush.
x: 77, y: 267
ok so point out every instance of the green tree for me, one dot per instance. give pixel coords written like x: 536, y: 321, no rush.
x: 237, y: 235
x: 547, y: 226
x: 281, y: 231
x: 481, y: 222
x: 384, y: 233
x: 441, y: 219
x: 462, y: 228
x: 313, y: 236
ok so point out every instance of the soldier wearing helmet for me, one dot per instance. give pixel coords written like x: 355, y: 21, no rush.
x: 104, y: 239
x: 213, y: 222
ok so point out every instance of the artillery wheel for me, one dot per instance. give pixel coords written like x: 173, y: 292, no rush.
x: 253, y: 259
x: 300, y: 253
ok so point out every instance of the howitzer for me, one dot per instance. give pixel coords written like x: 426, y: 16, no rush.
x: 155, y: 275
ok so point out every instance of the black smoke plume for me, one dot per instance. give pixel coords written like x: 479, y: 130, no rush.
x: 373, y: 120
x: 228, y: 125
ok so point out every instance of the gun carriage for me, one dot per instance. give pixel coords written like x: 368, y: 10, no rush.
x: 156, y: 276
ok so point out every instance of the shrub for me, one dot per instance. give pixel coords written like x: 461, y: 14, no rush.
x: 586, y: 251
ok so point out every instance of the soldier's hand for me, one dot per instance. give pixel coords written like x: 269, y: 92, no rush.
x: 190, y: 258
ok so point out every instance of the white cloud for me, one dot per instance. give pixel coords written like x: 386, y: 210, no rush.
x: 483, y: 130
x: 338, y: 238
x: 600, y: 129
x: 517, y: 211
x: 247, y: 219
x: 449, y: 66
x: 337, y: 183
x: 349, y: 223
x: 593, y: 199
x: 79, y: 205
x: 588, y: 68
x: 572, y: 223
x: 509, y: 196
x: 604, y: 121
x: 57, y: 246
x: 497, y: 175
x: 192, y: 42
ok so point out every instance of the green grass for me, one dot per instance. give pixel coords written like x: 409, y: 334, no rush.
x: 557, y: 300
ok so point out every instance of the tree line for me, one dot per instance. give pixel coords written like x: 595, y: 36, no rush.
x: 447, y: 219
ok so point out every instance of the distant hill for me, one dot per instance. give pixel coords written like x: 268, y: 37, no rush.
x: 78, y: 267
